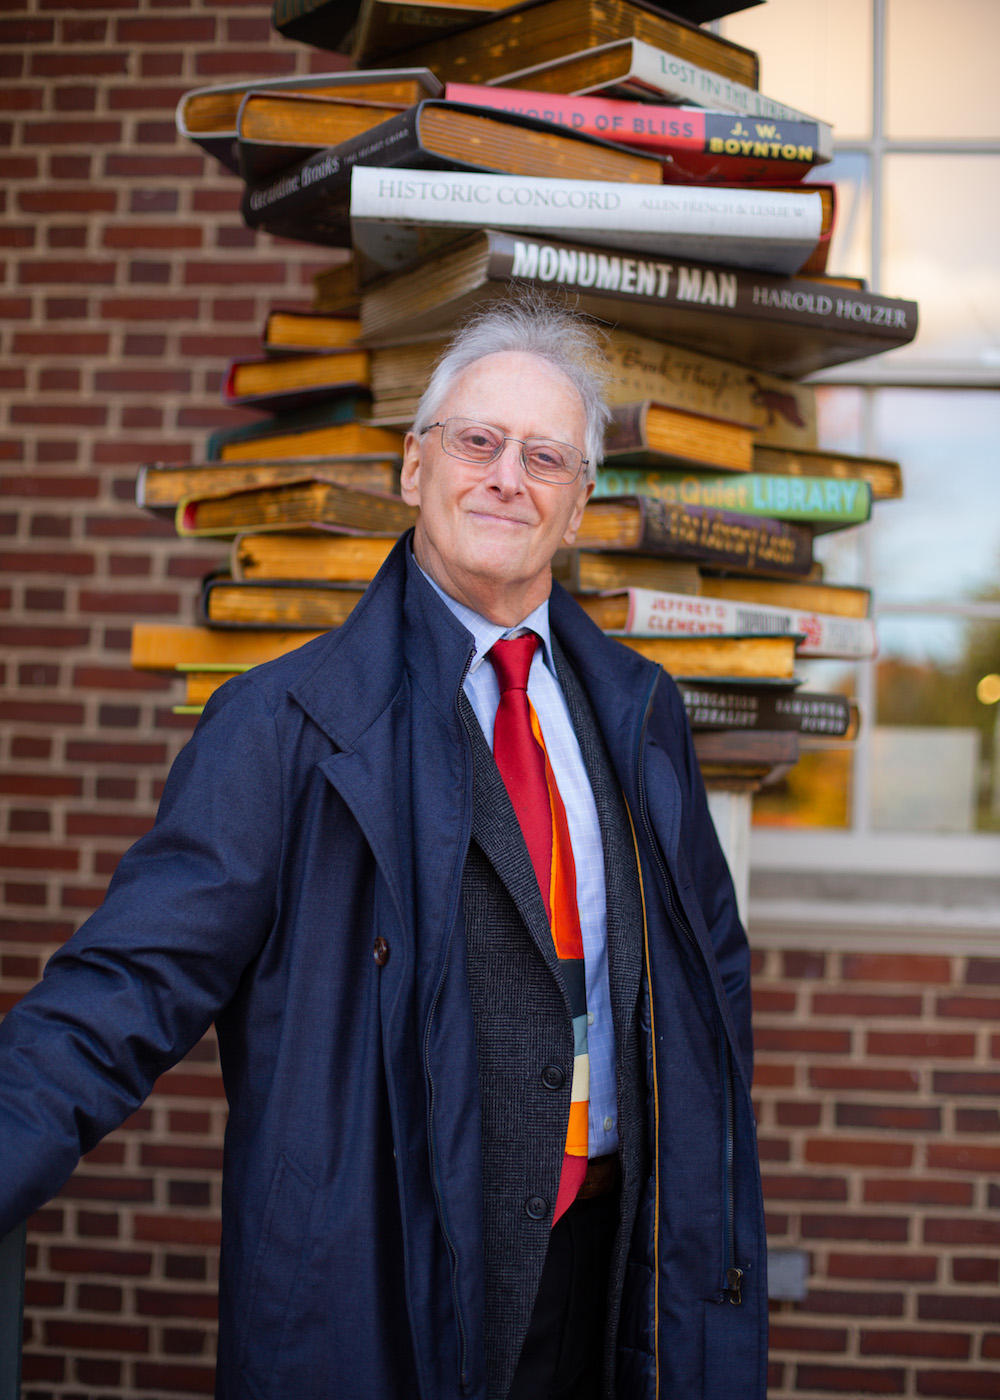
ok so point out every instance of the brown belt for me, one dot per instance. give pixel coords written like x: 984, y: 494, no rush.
x: 602, y: 1177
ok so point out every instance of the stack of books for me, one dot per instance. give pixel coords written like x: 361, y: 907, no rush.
x: 620, y: 157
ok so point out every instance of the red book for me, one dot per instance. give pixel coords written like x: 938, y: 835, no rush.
x: 697, y: 146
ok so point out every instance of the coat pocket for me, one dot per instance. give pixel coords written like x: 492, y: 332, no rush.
x: 276, y: 1272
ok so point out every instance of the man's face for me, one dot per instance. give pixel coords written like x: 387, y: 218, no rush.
x: 487, y: 535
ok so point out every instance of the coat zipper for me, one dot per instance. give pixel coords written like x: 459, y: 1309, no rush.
x: 463, y: 1350
x: 732, y: 1276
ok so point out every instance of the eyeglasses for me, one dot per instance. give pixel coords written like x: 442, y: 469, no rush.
x: 555, y: 462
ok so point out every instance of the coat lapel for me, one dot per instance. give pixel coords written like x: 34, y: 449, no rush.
x: 497, y: 833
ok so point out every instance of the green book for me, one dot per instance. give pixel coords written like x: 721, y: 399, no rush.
x: 824, y: 502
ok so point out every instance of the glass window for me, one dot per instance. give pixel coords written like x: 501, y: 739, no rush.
x: 939, y: 246
x: 941, y: 542
x: 944, y: 89
x: 815, y: 55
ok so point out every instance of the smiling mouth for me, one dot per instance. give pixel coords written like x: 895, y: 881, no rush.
x: 493, y: 518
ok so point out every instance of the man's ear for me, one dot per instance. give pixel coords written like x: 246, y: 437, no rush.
x: 409, y: 472
x: 584, y: 496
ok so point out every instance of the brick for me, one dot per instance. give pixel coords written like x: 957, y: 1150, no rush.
x: 59, y: 342
x: 961, y: 1157
x: 185, y: 1266
x: 165, y: 31
x: 223, y: 63
x: 886, y: 1191
x: 851, y: 1380
x: 177, y: 1229
x: 977, y: 1120
x: 75, y: 99
x: 152, y: 236
x: 91, y: 1260
x: 105, y: 824
x: 949, y: 1230
x: 69, y: 167
x: 116, y: 1189
x: 233, y: 273
x: 920, y: 1044
x: 805, y: 1187
x: 769, y: 1001
x: 959, y: 1383
x: 970, y: 1008
x: 179, y: 1341
x: 46, y: 857
x: 959, y: 1307
x: 149, y: 166
x: 968, y: 1082
x: 785, y: 1337
x: 188, y: 1380
x: 97, y: 751
x: 798, y: 1115
x: 901, y: 1268
x: 111, y: 678
x: 861, y: 1004
x: 98, y: 1371
x: 153, y: 309
x: 897, y: 1341
x: 67, y: 133
x: 96, y: 1336
x: 74, y: 63
x: 83, y: 31
x: 896, y: 968
x: 983, y: 972
x: 859, y: 1152
x: 976, y: 1270
x: 27, y: 31
x: 802, y: 1041
x: 189, y: 1193
x: 904, y: 1117
x: 160, y: 1302
x: 863, y: 1079
x: 143, y: 96
x: 133, y: 603
x: 853, y: 1303
x: 191, y: 1086
x: 846, y: 1226
x: 178, y: 1155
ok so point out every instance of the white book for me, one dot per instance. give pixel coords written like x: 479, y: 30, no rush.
x: 652, y: 613
x: 647, y: 70
x: 763, y: 230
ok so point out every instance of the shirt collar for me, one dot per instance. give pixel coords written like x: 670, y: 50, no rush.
x: 485, y: 633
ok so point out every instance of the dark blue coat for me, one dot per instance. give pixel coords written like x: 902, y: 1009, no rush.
x: 320, y: 815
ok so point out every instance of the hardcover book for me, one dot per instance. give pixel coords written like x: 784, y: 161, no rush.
x: 311, y: 199
x: 632, y: 67
x: 696, y: 146
x: 656, y: 435
x: 755, y: 706
x: 784, y: 326
x: 208, y: 115
x: 294, y: 504
x: 549, y: 29
x: 721, y: 538
x: 306, y: 554
x: 396, y: 214
x: 161, y: 488
x: 761, y: 656
x: 824, y: 503
x: 293, y: 381
x: 805, y: 595
x: 285, y: 604
x: 648, y: 612
x: 292, y: 332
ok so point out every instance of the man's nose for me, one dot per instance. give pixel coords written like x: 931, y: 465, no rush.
x: 505, y: 471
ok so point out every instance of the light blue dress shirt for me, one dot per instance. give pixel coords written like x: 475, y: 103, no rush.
x: 546, y: 696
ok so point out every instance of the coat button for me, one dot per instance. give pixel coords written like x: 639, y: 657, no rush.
x: 380, y: 951
x: 553, y: 1077
x: 537, y: 1207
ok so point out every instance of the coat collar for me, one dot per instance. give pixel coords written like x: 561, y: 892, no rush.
x: 399, y: 628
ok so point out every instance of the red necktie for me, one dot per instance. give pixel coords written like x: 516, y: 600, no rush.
x: 520, y: 754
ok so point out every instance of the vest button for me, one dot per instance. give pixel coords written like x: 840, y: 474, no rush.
x: 537, y: 1207
x: 553, y: 1077
x: 380, y: 951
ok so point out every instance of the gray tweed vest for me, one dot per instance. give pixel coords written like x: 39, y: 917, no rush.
x: 523, y: 1027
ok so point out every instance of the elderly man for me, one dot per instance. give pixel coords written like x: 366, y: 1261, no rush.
x: 446, y: 881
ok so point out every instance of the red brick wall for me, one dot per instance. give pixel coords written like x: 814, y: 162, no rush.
x: 877, y: 1081
x: 128, y: 280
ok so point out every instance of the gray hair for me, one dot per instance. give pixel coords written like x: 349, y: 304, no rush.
x: 532, y: 324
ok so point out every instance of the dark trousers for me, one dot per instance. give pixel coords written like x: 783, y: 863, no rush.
x: 563, y: 1353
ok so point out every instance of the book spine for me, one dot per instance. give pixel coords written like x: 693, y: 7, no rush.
x: 683, y: 81
x: 773, y: 231
x: 724, y: 538
x: 822, y: 635
x: 703, y: 287
x: 710, y: 707
x: 716, y: 141
x: 327, y: 174
x: 811, y: 499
